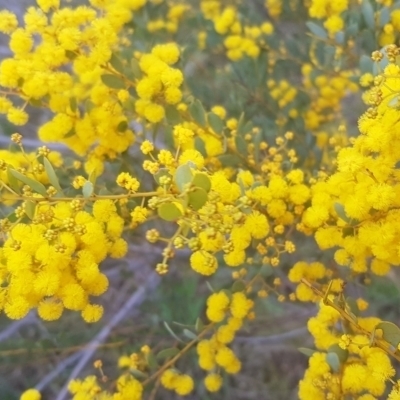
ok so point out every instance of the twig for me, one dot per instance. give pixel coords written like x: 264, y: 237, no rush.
x: 272, y: 339
x: 57, y: 371
x: 10, y: 331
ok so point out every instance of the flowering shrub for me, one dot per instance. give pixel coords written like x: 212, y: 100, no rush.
x: 238, y: 140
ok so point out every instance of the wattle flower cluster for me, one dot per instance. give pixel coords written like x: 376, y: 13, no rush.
x: 221, y: 214
x: 62, y: 58
x: 228, y: 310
x: 240, y: 40
x: 160, y: 84
x: 322, y: 9
x: 357, y: 208
x: 344, y: 364
x: 52, y: 263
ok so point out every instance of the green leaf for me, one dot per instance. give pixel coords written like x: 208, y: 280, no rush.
x: 333, y: 361
x: 391, y: 332
x: 32, y: 183
x: 366, y: 64
x: 216, y: 123
x: 183, y: 176
x: 172, y: 333
x: 329, y: 56
x: 306, y: 351
x: 339, y: 208
x: 167, y: 353
x: 353, y: 306
x: 151, y: 360
x: 238, y: 286
x: 169, y: 212
x: 197, y: 112
x: 230, y: 160
x: 12, y: 181
x: 71, y: 55
x: 245, y: 128
x: 87, y: 189
x: 35, y: 102
x: 384, y: 16
x: 138, y: 374
x: 89, y: 106
x: 379, y: 66
x: 368, y: 13
x: 317, y: 30
x: 30, y: 207
x: 117, y: 64
x: 161, y: 173
x: 394, y: 102
x: 342, y: 354
x: 199, y: 325
x: 189, y: 334
x: 202, y: 180
x: 267, y: 270
x: 197, y: 198
x: 51, y: 174
x: 113, y: 81
x: 241, y: 145
x: 210, y: 288
x: 348, y: 231
x: 70, y: 133
x: 135, y: 68
x: 200, y: 146
x: 172, y: 115
x: 340, y: 37
x: 73, y: 104
x: 122, y: 126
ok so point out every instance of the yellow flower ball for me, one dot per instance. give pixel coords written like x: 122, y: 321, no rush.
x: 213, y: 382
x: 31, y: 394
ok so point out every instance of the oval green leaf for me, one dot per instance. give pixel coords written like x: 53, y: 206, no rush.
x: 138, y: 374
x: 200, y: 146
x: 368, y: 13
x: 117, y: 64
x: 151, y: 361
x: 167, y: 353
x: 169, y: 212
x: 306, y: 351
x: 391, y: 332
x: 183, y: 176
x: 172, y: 333
x: 113, y: 81
x: 197, y: 112
x: 12, y: 181
x: 32, y: 183
x: 197, y: 198
x: 333, y: 361
x: 51, y: 174
x: 342, y: 354
x: 202, y: 180
x: 30, y: 208
x: 160, y: 173
x: 317, y: 30
x: 87, y: 189
x: 199, y: 325
x: 122, y: 126
x: 238, y: 286
x: 189, y: 334
x: 216, y: 123
x: 339, y: 208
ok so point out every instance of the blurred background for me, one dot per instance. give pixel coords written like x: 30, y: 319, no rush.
x: 47, y: 355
